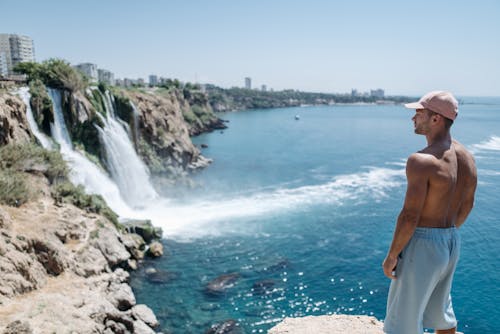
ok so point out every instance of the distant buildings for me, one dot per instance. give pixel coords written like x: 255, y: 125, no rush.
x: 106, y: 77
x: 15, y: 49
x: 264, y: 88
x: 153, y: 80
x: 90, y: 70
x: 378, y: 93
x: 248, y: 83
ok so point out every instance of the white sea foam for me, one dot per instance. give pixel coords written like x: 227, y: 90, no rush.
x: 187, y: 219
x: 492, y: 144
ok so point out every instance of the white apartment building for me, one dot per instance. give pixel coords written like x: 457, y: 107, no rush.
x: 4, y: 70
x: 248, y: 83
x: 15, y: 49
x: 90, y: 70
x: 106, y: 77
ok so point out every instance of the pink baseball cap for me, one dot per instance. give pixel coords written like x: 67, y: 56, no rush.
x: 440, y: 102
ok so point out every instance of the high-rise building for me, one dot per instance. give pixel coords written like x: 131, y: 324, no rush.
x: 248, y: 83
x: 15, y: 49
x: 264, y: 88
x: 4, y: 71
x: 153, y: 80
x: 90, y: 70
x: 106, y: 76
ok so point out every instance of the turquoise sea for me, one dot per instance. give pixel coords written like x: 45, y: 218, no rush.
x: 300, y: 214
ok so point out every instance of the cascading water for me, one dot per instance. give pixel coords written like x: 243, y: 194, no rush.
x: 42, y: 138
x: 83, y: 171
x: 126, y: 168
x: 136, y: 124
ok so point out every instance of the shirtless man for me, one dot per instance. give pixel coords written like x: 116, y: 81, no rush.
x: 442, y: 180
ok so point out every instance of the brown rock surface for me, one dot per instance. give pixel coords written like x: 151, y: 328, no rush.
x: 13, y: 122
x: 58, y: 271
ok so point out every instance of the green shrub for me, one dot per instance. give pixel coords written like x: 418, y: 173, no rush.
x: 66, y: 192
x: 31, y: 157
x: 14, y: 189
x: 55, y: 73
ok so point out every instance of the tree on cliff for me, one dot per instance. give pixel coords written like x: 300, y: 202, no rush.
x: 55, y: 73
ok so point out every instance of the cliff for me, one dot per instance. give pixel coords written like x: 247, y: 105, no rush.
x: 63, y: 254
x: 62, y: 258
x: 13, y: 123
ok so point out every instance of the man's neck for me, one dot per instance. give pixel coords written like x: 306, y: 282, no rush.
x: 438, y: 138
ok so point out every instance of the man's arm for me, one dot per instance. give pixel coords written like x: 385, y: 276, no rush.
x: 416, y: 192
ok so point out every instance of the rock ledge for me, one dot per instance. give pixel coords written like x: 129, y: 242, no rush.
x: 329, y: 324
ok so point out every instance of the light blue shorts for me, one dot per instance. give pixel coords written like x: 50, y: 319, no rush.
x: 420, y: 297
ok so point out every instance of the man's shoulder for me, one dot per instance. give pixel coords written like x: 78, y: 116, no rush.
x: 461, y: 150
x: 420, y: 159
x: 420, y: 162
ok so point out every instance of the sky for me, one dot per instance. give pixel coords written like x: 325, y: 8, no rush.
x: 404, y: 47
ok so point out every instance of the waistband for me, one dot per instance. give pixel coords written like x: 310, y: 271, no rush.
x: 435, y: 233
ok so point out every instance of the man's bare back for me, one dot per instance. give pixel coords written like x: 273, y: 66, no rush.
x: 451, y: 177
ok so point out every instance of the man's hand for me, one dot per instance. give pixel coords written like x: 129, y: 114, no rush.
x: 389, y: 266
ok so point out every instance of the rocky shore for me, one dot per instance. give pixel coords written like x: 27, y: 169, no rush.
x: 63, y: 271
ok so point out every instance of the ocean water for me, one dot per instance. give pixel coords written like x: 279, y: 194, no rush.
x: 300, y: 214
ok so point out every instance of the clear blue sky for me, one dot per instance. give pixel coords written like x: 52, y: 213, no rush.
x: 404, y: 47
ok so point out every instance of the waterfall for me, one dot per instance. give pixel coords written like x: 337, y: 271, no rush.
x: 125, y: 166
x: 42, y: 138
x: 83, y: 171
x: 58, y: 128
x: 136, y: 124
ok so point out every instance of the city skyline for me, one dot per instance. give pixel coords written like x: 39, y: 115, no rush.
x: 317, y: 46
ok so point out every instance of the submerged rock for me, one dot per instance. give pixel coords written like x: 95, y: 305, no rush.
x: 227, y: 327
x: 263, y: 287
x: 220, y: 284
x: 159, y: 276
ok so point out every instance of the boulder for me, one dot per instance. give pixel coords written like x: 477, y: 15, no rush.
x: 144, y: 228
x: 18, y: 327
x: 155, y: 249
x: 135, y: 244
x: 108, y: 242
x: 145, y: 314
x: 141, y: 328
x: 121, y: 296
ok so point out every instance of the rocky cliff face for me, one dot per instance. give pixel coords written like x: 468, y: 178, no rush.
x: 13, y: 123
x: 62, y: 269
x: 163, y: 140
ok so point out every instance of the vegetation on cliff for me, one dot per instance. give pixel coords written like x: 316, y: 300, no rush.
x: 18, y: 160
x: 54, y: 73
